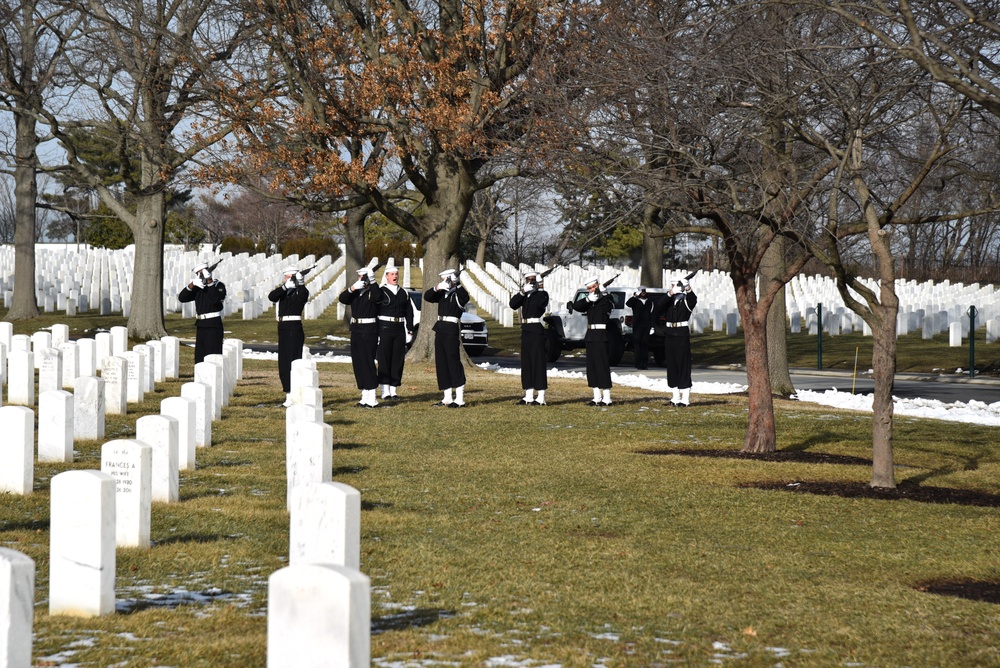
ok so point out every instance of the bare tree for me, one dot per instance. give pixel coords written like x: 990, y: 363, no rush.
x: 146, y: 72
x: 33, y: 36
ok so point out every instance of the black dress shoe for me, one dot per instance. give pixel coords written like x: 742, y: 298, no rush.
x: 441, y: 403
x: 523, y: 402
x: 594, y: 403
x: 455, y: 405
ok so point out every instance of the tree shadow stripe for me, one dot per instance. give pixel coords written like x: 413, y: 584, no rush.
x: 904, y: 492
x: 794, y: 456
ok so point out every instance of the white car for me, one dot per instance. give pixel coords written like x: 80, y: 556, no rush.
x: 475, y: 337
x: 566, y: 327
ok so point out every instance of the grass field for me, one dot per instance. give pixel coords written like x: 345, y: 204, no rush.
x: 500, y: 535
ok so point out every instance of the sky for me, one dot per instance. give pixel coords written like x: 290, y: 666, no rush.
x: 973, y: 412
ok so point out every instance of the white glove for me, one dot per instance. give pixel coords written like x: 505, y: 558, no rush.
x: 358, y: 285
x: 290, y: 284
x: 443, y: 285
x: 651, y: 331
x: 409, y: 337
x: 528, y: 287
x: 593, y: 297
x: 197, y: 283
x: 684, y: 284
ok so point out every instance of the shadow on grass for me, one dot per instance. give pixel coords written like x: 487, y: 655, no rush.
x: 972, y: 590
x: 192, y: 538
x: 374, y: 505
x: 25, y: 525
x: 349, y: 446
x: 174, y: 599
x: 795, y: 456
x: 904, y: 492
x: 348, y: 470
x: 409, y: 619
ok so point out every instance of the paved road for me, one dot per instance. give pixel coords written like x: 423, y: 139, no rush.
x: 947, y: 388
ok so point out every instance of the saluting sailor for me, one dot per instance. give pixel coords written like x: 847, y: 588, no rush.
x: 290, y: 298
x: 597, y: 305
x: 532, y: 301
x: 451, y: 298
x: 677, y: 309
x: 208, y: 296
x: 395, y: 328
x: 364, y: 297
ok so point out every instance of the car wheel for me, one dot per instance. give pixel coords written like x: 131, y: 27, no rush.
x: 553, y: 346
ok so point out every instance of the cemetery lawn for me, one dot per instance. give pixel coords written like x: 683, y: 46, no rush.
x: 567, y: 534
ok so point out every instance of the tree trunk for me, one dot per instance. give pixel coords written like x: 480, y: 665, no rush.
x: 772, y: 266
x: 761, y: 436
x: 883, y: 361
x: 481, y: 253
x: 652, y: 261
x: 145, y: 321
x: 354, y: 238
x: 24, y: 305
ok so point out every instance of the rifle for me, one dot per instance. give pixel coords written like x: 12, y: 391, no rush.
x: 610, y: 280
x: 212, y: 267
x: 549, y: 271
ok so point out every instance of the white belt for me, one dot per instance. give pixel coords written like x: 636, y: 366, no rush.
x: 389, y: 318
x: 287, y: 318
x: 448, y: 318
x: 363, y: 321
x: 675, y: 324
x: 206, y: 316
x: 597, y: 326
x: 530, y: 321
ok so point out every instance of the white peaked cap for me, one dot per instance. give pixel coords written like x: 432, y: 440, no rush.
x: 592, y: 281
x: 201, y: 267
x: 390, y: 265
x: 530, y: 274
x: 446, y: 273
x: 290, y: 270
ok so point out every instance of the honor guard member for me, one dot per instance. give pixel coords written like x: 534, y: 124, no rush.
x: 597, y: 305
x: 533, y: 301
x: 207, y: 295
x: 451, y: 299
x: 395, y: 329
x: 676, y: 310
x: 290, y: 298
x: 364, y: 297
x: 642, y: 322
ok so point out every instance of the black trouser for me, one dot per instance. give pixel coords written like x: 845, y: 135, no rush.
x: 363, y: 348
x: 448, y: 360
x: 598, y: 365
x: 291, y: 338
x: 207, y: 338
x: 533, y: 360
x: 677, y: 349
x: 640, y: 347
x: 390, y: 355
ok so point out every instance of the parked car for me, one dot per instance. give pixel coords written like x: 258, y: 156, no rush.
x: 565, y: 328
x: 475, y: 336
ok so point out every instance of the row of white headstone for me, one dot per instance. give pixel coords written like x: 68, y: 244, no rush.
x: 318, y: 606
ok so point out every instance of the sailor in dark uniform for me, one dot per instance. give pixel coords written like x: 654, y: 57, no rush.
x: 451, y: 299
x: 364, y: 297
x: 597, y: 305
x: 290, y: 298
x: 533, y: 301
x: 395, y: 328
x: 642, y: 321
x: 207, y: 295
x: 677, y: 309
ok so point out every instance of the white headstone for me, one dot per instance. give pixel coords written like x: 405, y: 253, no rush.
x: 325, y: 525
x: 318, y: 615
x: 103, y: 344
x: 210, y: 375
x: 227, y: 382
x: 159, y: 367
x: 955, y: 335
x: 88, y: 408
x: 60, y: 335
x: 20, y: 378
x: 184, y: 411
x: 55, y: 426
x: 148, y: 364
x: 87, y: 357
x: 3, y: 367
x: 70, y: 364
x: 129, y: 462
x: 114, y: 372
x: 309, y: 455
x: 39, y: 342
x: 171, y: 356
x: 6, y: 333
x: 134, y: 374
x: 119, y: 340
x: 20, y: 342
x: 237, y: 344
x: 17, y: 449
x: 49, y: 363
x: 160, y: 432
x: 82, y: 544
x: 202, y: 396
x: 17, y: 608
